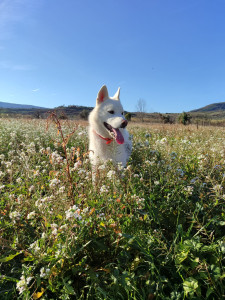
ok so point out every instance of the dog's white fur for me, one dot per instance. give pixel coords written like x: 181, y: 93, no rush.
x: 108, y: 110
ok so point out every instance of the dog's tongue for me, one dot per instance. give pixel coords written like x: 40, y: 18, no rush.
x: 118, y: 136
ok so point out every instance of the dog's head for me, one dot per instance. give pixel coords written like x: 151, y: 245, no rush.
x: 109, y: 115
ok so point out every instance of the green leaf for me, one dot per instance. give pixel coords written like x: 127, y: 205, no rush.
x: 10, y: 257
x: 222, y: 246
x: 203, y: 275
x: 4, y: 278
x: 221, y: 223
x: 194, y: 262
x: 190, y: 286
x: 215, y: 271
x: 38, y: 281
x: 29, y: 258
x: 209, y: 292
x: 180, y: 257
x: 69, y: 288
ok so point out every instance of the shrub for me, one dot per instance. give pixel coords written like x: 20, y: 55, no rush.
x: 184, y: 118
x: 84, y: 114
x: 128, y: 116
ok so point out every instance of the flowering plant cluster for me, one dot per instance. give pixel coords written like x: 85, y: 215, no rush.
x: 151, y: 230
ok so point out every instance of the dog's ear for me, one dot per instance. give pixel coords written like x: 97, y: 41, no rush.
x: 117, y: 95
x: 102, y: 95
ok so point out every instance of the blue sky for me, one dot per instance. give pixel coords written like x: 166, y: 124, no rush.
x: 171, y: 53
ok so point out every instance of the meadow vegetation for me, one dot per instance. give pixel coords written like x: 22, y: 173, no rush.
x: 153, y: 230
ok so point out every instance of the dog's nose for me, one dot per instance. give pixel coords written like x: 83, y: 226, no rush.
x: 124, y: 124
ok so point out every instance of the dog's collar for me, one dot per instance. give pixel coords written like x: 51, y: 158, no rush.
x: 108, y: 140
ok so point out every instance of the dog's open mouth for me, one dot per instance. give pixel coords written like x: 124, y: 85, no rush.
x: 115, y: 132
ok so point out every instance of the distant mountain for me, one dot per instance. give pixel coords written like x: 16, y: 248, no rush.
x: 211, y: 108
x: 18, y: 106
x: 70, y: 111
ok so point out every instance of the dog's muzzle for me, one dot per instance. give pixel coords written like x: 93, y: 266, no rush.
x: 115, y: 132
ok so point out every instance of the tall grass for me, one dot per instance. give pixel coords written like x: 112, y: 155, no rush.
x: 154, y: 230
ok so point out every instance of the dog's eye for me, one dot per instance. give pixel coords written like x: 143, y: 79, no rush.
x: 111, y: 112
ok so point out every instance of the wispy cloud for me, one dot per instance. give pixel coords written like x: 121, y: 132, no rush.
x: 12, y: 12
x: 15, y: 67
x: 35, y: 90
x: 9, y: 12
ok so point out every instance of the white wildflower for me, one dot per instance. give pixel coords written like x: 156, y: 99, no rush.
x: 44, y: 272
x: 11, y: 196
x: 8, y: 164
x: 19, y: 180
x: 15, y: 215
x: 120, y: 166
x: 21, y: 284
x: 42, y: 151
x: 81, y: 171
x: 217, y: 187
x: 31, y: 188
x: 73, y: 212
x: 31, y: 148
x: 163, y: 141
x: 86, y: 210
x: 43, y: 235
x: 101, y: 216
x: 150, y: 163
x: 63, y: 227
x: 35, y: 247
x: 31, y: 215
x: 103, y: 189
x: 78, y: 164
x: 54, y: 182
x: 19, y: 199
x: 13, y: 134
x: 2, y: 156
x: 36, y: 173
x: 101, y: 167
x: 9, y: 171
x: 111, y: 173
x: 28, y: 280
x: 48, y: 150
x: 62, y: 189
x: 54, y: 228
x: 40, y: 202
x: 189, y: 189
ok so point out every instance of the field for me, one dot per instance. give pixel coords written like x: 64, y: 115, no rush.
x: 154, y: 230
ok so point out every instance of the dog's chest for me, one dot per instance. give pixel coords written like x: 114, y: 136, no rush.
x: 103, y: 151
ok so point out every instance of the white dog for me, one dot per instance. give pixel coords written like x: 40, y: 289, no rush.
x: 108, y: 136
